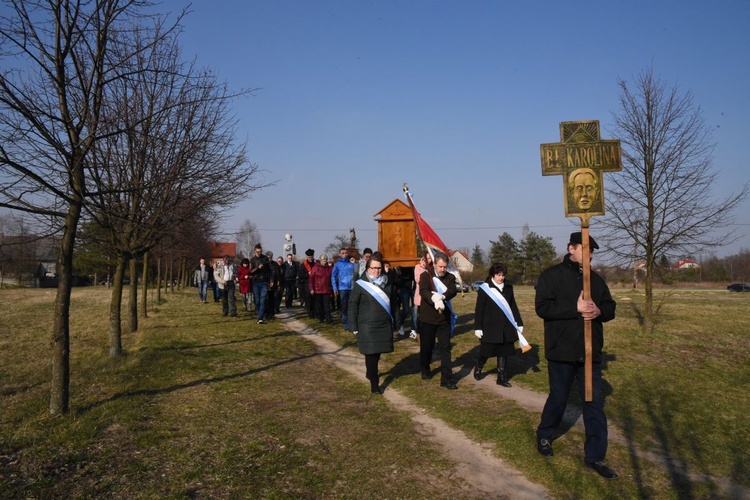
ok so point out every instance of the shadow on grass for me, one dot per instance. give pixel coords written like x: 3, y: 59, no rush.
x: 218, y: 344
x: 637, y: 312
x: 202, y: 381
x: 680, y: 451
x: 408, y: 365
x: 12, y: 391
x: 518, y: 364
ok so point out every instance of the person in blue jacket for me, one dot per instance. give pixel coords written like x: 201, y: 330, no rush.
x: 341, y: 279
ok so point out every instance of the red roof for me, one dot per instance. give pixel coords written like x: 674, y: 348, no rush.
x: 220, y: 249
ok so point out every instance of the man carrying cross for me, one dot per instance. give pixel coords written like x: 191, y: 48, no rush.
x: 560, y: 303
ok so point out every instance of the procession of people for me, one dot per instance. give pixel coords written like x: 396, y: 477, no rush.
x: 373, y: 303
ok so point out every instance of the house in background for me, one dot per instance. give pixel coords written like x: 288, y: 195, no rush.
x: 687, y: 264
x: 217, y: 251
x: 461, y: 261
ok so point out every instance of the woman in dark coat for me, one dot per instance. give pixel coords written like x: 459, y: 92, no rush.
x: 370, y: 317
x: 492, y: 327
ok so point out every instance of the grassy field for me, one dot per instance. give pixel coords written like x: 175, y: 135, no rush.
x: 205, y: 406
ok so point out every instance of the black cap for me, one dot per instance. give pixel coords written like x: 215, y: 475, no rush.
x: 577, y: 239
x: 310, y: 252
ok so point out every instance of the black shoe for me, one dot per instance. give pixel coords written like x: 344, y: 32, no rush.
x: 503, y: 382
x: 426, y: 375
x: 478, y: 372
x: 376, y: 390
x: 544, y: 447
x: 449, y: 385
x: 603, y: 470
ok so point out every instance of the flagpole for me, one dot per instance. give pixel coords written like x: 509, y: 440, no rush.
x: 437, y: 243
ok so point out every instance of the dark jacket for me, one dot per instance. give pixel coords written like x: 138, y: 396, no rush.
x: 260, y: 275
x: 274, y: 274
x: 304, y: 269
x: 427, y: 312
x: 370, y: 320
x: 289, y: 271
x: 489, y: 318
x: 557, y: 293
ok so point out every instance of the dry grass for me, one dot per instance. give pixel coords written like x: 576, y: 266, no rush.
x: 202, y: 405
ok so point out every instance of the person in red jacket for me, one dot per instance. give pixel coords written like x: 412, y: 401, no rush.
x: 321, y: 289
x: 243, y: 278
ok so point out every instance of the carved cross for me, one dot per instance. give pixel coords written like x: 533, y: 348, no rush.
x: 581, y: 158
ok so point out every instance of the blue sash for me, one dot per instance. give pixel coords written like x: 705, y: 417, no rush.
x: 441, y: 288
x: 498, y: 299
x: 378, y: 294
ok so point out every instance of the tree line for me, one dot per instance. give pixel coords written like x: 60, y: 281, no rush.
x: 108, y: 134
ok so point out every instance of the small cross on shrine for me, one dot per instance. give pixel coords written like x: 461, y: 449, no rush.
x: 581, y: 158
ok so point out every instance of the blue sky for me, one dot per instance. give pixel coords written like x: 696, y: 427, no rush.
x: 454, y: 98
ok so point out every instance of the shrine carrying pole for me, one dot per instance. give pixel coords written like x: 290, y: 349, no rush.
x: 581, y: 157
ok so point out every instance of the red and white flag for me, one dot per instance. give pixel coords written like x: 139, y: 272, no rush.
x: 430, y: 238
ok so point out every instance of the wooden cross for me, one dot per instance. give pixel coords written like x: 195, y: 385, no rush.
x: 581, y: 158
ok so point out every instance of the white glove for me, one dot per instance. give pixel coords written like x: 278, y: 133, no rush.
x: 439, y: 306
x: 437, y: 296
x: 478, y: 333
x: 520, y: 329
x: 355, y: 332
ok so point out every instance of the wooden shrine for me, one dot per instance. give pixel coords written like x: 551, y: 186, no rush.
x: 397, y: 234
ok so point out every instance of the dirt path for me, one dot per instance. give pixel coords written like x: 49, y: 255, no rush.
x: 474, y: 462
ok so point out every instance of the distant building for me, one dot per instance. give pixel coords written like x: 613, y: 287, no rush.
x: 686, y: 264
x: 217, y: 251
x: 461, y: 261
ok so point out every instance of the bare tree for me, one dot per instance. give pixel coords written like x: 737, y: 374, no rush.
x: 340, y: 241
x: 169, y: 140
x: 247, y: 237
x: 662, y: 204
x: 57, y: 60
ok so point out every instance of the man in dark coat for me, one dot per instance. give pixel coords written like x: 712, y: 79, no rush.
x: 560, y: 303
x: 289, y: 271
x: 303, y: 276
x: 260, y: 269
x: 435, y: 320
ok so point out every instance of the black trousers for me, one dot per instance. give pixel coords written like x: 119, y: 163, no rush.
x: 561, y: 378
x: 371, y: 367
x: 304, y: 293
x: 270, y: 303
x: 427, y: 335
x: 289, y: 292
x: 322, y: 303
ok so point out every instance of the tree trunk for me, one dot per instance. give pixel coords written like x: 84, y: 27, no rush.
x: 144, y: 284
x: 158, y: 280
x: 115, y: 329
x: 178, y: 281
x: 171, y: 275
x: 60, y: 386
x: 648, y: 286
x: 133, y: 297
